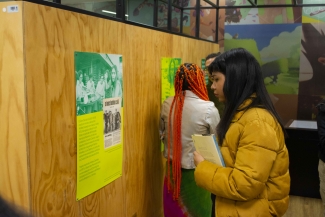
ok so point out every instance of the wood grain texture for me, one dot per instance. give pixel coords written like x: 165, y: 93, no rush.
x: 143, y: 164
x: 14, y: 175
x: 52, y: 118
x: 51, y: 109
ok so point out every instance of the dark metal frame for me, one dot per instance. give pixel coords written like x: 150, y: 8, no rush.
x: 120, y: 12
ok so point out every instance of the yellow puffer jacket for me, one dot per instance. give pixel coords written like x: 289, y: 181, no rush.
x: 255, y: 181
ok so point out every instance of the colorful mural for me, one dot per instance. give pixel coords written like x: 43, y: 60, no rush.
x: 251, y: 16
x: 239, y: 16
x: 292, y: 58
x: 207, y: 22
x: 277, y: 48
x: 313, y: 14
x: 312, y: 69
x: 289, y: 43
x: 143, y: 11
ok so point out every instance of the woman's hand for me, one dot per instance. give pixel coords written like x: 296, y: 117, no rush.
x: 197, y: 158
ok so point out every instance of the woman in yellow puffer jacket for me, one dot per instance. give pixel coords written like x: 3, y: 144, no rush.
x: 255, y: 181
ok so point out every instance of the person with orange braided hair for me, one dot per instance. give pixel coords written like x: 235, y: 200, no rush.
x: 188, y: 112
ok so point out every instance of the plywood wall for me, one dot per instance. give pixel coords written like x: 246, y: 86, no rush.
x: 14, y: 183
x: 51, y: 38
x: 38, y: 117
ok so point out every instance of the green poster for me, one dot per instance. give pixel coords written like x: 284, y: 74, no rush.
x: 206, y: 73
x: 169, y: 67
x: 99, y: 109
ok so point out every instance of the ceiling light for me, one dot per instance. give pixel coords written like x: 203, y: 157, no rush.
x: 111, y: 12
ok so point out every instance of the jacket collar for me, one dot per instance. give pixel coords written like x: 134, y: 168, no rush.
x: 240, y: 112
x: 191, y: 94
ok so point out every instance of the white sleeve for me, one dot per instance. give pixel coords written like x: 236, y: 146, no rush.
x: 213, y: 118
x: 162, y: 123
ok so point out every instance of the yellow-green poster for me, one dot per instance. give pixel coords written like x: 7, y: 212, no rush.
x: 99, y: 108
x: 169, y: 67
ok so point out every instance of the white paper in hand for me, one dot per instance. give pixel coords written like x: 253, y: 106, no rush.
x: 208, y: 147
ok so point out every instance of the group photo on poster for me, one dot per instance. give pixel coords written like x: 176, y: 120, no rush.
x: 112, y: 121
x: 98, y: 76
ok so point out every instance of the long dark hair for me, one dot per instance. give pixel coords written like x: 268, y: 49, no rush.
x: 243, y: 77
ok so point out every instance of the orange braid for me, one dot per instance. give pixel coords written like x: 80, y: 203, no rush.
x: 195, y: 78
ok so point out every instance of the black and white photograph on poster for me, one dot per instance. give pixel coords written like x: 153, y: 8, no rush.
x: 98, y: 76
x: 112, y: 121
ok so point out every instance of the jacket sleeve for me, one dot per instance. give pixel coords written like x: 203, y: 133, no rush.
x: 254, y: 159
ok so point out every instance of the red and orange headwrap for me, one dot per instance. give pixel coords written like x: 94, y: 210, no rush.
x: 188, y: 77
